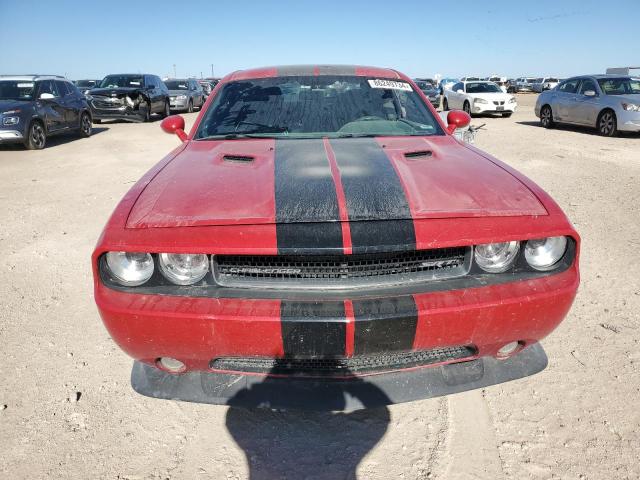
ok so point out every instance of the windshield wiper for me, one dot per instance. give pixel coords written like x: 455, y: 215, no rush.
x: 233, y: 136
x: 356, y: 135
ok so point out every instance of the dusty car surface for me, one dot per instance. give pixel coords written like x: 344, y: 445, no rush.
x: 609, y: 103
x: 133, y: 97
x: 319, y: 231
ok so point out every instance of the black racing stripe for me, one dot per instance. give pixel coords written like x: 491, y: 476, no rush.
x: 385, y: 324
x: 373, y: 192
x: 313, y: 329
x: 307, y: 213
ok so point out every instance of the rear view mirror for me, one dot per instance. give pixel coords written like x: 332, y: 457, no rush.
x: 590, y: 93
x: 457, y: 119
x: 46, y: 96
x: 174, y: 124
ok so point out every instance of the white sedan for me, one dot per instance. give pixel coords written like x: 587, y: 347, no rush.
x: 479, y: 97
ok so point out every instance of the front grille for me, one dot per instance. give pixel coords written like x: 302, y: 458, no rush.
x: 107, y: 102
x: 340, y: 271
x: 342, y: 367
x: 498, y: 103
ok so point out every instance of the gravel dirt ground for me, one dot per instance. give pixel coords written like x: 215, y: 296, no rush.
x: 67, y: 409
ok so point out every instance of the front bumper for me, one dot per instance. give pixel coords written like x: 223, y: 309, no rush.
x: 198, y: 330
x: 11, y: 136
x: 492, y: 108
x: 119, y: 113
x: 176, y: 104
x: 336, y: 395
x: 628, y: 121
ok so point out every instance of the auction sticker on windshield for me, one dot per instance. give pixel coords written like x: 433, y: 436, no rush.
x: 390, y: 84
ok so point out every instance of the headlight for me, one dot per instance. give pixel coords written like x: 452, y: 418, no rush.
x: 631, y: 107
x: 496, y: 257
x: 544, y: 253
x: 181, y: 97
x: 10, y: 120
x: 129, y: 268
x: 512, y: 100
x: 480, y: 100
x: 184, y: 268
x: 129, y: 101
x: 88, y: 96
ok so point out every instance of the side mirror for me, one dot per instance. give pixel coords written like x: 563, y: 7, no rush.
x: 457, y: 119
x: 46, y: 96
x: 459, y: 91
x: 589, y: 93
x: 174, y: 124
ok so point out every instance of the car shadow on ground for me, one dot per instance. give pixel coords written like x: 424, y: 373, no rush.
x: 55, y: 140
x: 577, y: 129
x: 295, y: 444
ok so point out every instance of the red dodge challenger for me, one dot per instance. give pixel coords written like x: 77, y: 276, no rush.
x: 320, y: 238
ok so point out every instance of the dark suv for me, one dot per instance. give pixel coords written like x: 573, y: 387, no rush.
x: 34, y: 107
x: 129, y: 96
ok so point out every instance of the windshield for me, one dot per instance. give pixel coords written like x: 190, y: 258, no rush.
x: 16, y: 90
x: 177, y: 84
x: 483, y: 88
x: 115, y: 81
x: 315, y: 107
x: 551, y: 79
x: 620, y: 86
x: 424, y: 85
x: 86, y: 83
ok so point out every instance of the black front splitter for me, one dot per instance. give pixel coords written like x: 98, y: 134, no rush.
x: 372, y: 391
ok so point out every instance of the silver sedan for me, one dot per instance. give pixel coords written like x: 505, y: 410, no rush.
x: 185, y: 94
x: 609, y: 103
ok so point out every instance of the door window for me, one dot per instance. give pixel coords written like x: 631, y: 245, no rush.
x: 570, y: 86
x: 587, y: 85
x: 49, y: 86
x: 63, y: 88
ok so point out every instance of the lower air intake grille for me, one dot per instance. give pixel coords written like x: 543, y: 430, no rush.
x: 342, y: 366
x: 340, y: 271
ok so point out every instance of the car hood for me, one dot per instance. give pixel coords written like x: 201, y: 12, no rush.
x: 8, y: 105
x: 264, y: 181
x: 114, y: 92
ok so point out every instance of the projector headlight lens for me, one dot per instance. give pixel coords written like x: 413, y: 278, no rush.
x: 183, y: 268
x: 130, y: 268
x: 545, y: 253
x: 496, y: 257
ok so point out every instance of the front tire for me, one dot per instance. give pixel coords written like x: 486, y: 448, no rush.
x: 147, y: 114
x: 36, y: 136
x: 607, y: 124
x: 190, y: 107
x: 167, y: 110
x: 467, y: 108
x: 85, y: 125
x: 546, y: 117
x: 445, y: 104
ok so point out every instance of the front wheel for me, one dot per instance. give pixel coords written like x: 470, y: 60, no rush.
x: 167, y: 110
x: 467, y: 108
x: 546, y: 117
x: 146, y: 116
x: 608, y: 124
x: 36, y: 137
x: 85, y: 125
x: 190, y: 107
x: 445, y: 104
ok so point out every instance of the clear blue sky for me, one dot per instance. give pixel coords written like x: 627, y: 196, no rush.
x: 87, y: 39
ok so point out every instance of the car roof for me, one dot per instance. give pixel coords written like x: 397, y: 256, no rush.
x: 313, y: 70
x: 32, y: 77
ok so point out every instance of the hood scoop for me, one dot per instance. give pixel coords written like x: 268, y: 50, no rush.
x: 418, y: 154
x: 238, y: 158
